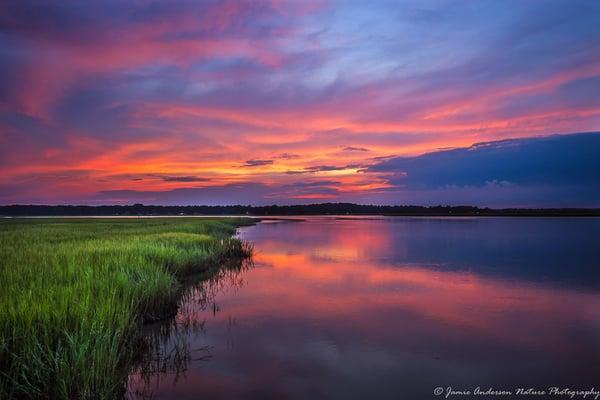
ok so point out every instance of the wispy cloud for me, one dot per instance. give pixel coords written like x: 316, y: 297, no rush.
x: 184, y: 178
x: 325, y: 168
x: 287, y: 156
x: 352, y: 148
x: 257, y: 163
x: 185, y: 90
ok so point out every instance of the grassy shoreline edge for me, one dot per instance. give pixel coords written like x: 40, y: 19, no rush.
x: 76, y: 293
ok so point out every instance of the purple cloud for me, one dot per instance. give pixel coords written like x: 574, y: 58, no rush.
x: 257, y: 163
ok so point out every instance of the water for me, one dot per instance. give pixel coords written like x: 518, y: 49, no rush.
x: 389, y: 308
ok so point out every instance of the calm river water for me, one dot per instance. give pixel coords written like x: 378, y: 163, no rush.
x: 389, y: 308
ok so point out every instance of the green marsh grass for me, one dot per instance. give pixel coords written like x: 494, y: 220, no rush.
x: 74, y: 293
x: 170, y: 348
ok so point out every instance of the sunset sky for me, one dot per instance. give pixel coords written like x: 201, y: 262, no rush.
x: 262, y: 102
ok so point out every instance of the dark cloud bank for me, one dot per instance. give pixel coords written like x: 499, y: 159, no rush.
x: 558, y: 170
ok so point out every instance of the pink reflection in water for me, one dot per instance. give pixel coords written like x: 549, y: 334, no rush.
x: 340, y: 310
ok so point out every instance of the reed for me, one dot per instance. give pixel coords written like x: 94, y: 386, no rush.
x: 74, y: 293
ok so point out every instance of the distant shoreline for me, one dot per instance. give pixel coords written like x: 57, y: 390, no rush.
x: 325, y: 209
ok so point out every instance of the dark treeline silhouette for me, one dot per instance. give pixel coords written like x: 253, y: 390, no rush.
x: 308, y: 209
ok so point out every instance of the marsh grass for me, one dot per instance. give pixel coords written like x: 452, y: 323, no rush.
x: 74, y: 293
x: 171, y: 343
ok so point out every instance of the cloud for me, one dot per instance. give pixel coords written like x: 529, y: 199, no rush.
x: 319, y: 89
x: 551, y: 171
x: 324, y: 168
x: 244, y: 193
x: 185, y: 178
x: 287, y: 156
x: 352, y: 148
x: 560, y: 166
x: 552, y: 160
x: 257, y: 163
x: 238, y: 193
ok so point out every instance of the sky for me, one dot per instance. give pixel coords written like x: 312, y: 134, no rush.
x: 489, y: 103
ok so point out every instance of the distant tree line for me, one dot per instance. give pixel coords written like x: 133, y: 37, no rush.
x: 271, y: 210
